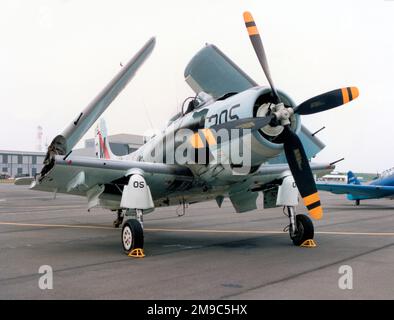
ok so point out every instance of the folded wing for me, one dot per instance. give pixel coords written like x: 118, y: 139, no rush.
x: 64, y: 142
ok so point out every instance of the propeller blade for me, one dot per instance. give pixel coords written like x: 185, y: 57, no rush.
x: 327, y: 101
x: 302, y: 173
x: 246, y: 123
x: 259, y: 49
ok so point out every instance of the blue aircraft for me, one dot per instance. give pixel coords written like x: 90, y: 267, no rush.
x: 381, y: 187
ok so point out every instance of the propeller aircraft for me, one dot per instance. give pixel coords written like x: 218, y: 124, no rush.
x: 267, y: 124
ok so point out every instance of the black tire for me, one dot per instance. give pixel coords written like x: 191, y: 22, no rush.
x: 305, y: 230
x: 132, y: 236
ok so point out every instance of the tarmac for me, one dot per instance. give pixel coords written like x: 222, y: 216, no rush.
x: 209, y: 253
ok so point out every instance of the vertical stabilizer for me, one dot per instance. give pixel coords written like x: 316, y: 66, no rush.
x: 352, y: 179
x: 101, y: 143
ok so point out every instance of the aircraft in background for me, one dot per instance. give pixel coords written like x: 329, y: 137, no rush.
x: 267, y: 120
x: 381, y: 187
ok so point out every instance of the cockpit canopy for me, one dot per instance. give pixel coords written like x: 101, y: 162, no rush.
x: 212, y: 76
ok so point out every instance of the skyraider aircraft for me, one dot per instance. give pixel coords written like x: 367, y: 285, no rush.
x: 226, y: 99
x: 381, y: 187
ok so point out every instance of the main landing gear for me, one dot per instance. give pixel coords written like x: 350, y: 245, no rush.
x: 300, y: 229
x: 136, y: 201
x: 119, y: 220
x: 133, y: 236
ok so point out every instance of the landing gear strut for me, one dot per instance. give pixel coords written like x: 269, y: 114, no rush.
x: 301, y: 227
x: 119, y: 220
x: 136, y: 200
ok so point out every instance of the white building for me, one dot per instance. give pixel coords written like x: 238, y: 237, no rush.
x: 19, y: 163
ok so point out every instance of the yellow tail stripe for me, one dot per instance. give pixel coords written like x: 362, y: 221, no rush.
x: 312, y: 198
x: 316, y: 213
x: 345, y: 95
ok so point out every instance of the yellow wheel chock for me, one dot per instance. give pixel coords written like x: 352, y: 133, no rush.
x: 310, y: 243
x: 137, y: 253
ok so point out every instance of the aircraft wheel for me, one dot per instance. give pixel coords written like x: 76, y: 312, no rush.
x: 305, y: 229
x: 132, y: 235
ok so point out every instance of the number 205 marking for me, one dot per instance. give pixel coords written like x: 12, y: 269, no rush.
x: 224, y: 115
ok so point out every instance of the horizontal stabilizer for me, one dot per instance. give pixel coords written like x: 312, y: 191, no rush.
x: 23, y: 181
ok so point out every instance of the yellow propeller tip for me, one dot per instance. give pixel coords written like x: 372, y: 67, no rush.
x: 312, y: 203
x: 248, y: 16
x: 349, y: 94
x: 316, y: 213
x: 355, y: 92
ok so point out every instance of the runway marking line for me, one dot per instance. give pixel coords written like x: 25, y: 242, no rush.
x: 19, y: 224
x: 386, y: 234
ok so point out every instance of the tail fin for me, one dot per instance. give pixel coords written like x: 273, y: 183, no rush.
x: 103, y: 150
x: 352, y: 179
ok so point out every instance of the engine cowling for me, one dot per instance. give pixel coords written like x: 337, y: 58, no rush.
x: 266, y: 142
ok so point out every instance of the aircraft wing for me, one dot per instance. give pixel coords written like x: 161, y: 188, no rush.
x: 64, y: 142
x: 211, y: 71
x: 243, y: 195
x: 280, y: 168
x: 81, y: 175
x: 87, y: 117
x: 269, y: 173
x: 370, y: 191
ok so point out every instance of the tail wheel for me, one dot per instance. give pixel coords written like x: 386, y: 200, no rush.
x: 305, y: 230
x: 132, y: 235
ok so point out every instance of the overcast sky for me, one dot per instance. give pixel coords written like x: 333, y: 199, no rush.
x: 57, y: 54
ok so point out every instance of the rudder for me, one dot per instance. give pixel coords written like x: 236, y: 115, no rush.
x: 102, y: 148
